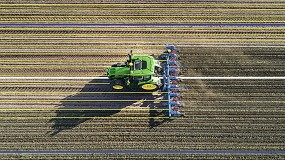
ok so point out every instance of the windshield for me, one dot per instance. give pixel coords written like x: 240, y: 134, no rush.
x: 137, y: 65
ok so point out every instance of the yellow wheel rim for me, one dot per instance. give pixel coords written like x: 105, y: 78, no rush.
x: 149, y: 86
x: 118, y: 87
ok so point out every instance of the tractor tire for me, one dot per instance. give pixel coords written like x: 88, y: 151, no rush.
x: 149, y: 87
x: 118, y: 84
x: 158, y: 70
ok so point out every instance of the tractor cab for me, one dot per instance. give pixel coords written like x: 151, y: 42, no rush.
x: 138, y: 65
x: 141, y: 62
x: 138, y: 73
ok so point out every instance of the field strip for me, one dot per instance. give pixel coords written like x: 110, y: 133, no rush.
x: 140, y: 25
x: 124, y: 20
x: 50, y: 83
x: 264, y: 34
x: 162, y: 28
x: 48, y: 66
x: 73, y: 117
x: 77, y: 100
x: 131, y: 16
x: 194, y: 45
x: 187, y: 78
x: 54, y: 60
x: 77, y: 109
x: 208, y: 152
x: 146, y: 4
x: 82, y: 92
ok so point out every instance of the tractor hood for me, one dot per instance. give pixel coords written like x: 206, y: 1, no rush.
x: 118, y: 72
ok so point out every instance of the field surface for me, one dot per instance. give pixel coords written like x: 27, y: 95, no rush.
x: 84, y: 119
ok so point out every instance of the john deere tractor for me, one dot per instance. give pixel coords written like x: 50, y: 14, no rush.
x: 143, y: 72
x: 140, y: 72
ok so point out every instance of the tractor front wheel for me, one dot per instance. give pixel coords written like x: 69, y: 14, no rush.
x: 149, y: 87
x: 118, y: 84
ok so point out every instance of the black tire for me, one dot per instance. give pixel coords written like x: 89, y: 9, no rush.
x: 118, y: 84
x: 149, y: 87
x: 158, y: 70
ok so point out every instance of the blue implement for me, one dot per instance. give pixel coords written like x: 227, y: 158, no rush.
x: 169, y: 77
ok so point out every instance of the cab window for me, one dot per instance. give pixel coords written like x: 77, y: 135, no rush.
x: 137, y: 65
x: 144, y: 65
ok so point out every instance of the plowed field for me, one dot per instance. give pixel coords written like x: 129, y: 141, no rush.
x: 85, y: 119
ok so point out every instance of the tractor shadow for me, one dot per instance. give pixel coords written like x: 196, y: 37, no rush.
x: 72, y: 114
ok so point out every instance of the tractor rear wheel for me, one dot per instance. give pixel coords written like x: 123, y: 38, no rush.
x: 118, y: 84
x: 149, y: 87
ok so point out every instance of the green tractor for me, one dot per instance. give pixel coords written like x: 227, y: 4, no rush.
x: 140, y: 72
x: 145, y: 73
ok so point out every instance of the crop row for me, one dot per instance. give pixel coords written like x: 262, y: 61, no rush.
x: 143, y: 19
x: 138, y: 2
x: 173, y: 11
x: 132, y: 140
x: 144, y: 145
x: 253, y: 31
x: 140, y: 156
x: 201, y: 129
x: 146, y: 30
x: 124, y: 127
x: 153, y: 37
x: 232, y: 4
x: 186, y: 40
x: 197, y: 129
x: 81, y: 113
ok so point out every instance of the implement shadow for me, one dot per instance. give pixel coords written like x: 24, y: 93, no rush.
x: 157, y: 114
